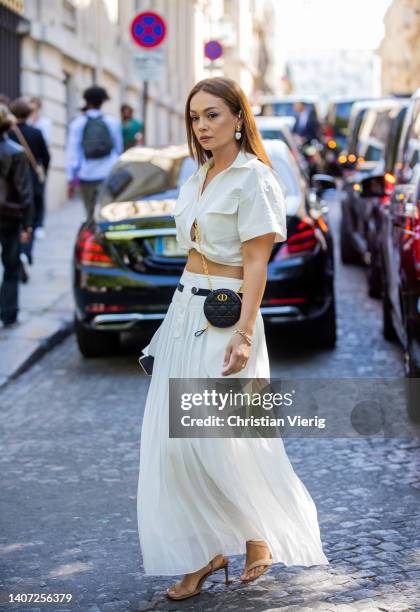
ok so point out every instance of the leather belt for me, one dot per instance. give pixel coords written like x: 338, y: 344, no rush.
x: 196, y: 290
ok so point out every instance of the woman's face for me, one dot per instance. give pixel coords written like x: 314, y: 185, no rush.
x: 212, y: 121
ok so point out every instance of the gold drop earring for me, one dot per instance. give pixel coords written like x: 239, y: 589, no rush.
x: 238, y: 133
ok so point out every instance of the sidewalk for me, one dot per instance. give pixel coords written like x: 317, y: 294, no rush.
x: 46, y: 302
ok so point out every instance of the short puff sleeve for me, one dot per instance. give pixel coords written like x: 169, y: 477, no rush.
x: 262, y: 207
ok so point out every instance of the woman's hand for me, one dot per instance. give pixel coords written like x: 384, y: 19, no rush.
x: 236, y: 355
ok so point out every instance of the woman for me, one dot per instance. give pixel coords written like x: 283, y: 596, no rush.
x: 202, y: 498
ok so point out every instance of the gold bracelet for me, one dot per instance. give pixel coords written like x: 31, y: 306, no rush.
x: 245, y: 335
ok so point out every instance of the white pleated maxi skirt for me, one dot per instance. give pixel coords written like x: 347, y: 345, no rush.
x: 199, y: 497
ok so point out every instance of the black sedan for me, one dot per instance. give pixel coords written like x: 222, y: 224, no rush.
x: 401, y: 246
x: 400, y: 250
x: 373, y: 205
x: 375, y: 130
x: 336, y: 130
x: 127, y: 262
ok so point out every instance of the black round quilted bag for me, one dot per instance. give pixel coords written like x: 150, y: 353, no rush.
x: 222, y: 307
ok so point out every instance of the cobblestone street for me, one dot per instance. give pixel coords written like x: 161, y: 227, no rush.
x: 70, y: 432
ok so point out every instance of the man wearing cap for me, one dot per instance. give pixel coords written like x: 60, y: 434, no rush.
x: 93, y: 145
x: 16, y: 214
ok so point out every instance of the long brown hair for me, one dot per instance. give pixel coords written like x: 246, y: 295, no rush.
x: 229, y: 91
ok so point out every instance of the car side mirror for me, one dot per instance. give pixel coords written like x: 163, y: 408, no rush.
x: 322, y: 182
x: 373, y: 187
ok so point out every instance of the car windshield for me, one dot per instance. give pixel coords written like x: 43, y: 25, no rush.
x: 354, y: 130
x: 188, y: 167
x: 146, y: 181
x: 393, y: 140
x: 374, y: 133
x: 272, y: 134
x: 342, y: 116
x: 278, y: 109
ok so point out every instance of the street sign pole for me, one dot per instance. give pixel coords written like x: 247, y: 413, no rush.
x: 144, y: 107
x: 148, y: 31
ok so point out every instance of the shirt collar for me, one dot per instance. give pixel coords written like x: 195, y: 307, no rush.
x: 93, y: 112
x: 242, y: 159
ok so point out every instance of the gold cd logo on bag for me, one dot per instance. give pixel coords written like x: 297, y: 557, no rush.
x: 222, y: 297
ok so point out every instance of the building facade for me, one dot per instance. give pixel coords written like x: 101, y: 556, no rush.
x: 400, y: 48
x: 64, y: 46
x: 323, y: 73
x: 12, y: 25
x: 70, y: 45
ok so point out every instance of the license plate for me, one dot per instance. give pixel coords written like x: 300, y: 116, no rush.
x: 167, y: 246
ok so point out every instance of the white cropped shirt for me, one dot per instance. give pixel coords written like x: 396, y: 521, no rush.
x: 243, y: 201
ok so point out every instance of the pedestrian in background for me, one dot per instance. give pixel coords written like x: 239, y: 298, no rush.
x: 93, y: 145
x: 132, y: 129
x: 16, y: 210
x: 307, y: 126
x: 40, y: 121
x: 33, y: 142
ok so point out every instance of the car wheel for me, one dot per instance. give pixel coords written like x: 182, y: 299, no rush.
x: 324, y: 330
x: 348, y: 253
x: 93, y: 343
x: 387, y: 324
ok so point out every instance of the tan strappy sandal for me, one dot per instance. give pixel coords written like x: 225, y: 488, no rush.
x: 224, y: 565
x: 264, y: 564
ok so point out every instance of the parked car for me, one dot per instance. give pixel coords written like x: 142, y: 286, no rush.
x: 372, y: 205
x: 401, y: 248
x: 279, y: 128
x: 336, y: 130
x: 276, y: 106
x: 373, y: 133
x: 347, y: 159
x: 300, y: 280
x: 310, y: 151
x: 127, y: 262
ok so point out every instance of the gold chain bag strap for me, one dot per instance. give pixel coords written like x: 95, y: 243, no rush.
x: 222, y: 307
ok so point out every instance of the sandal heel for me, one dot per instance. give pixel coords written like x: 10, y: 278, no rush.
x: 201, y: 581
x: 226, y: 568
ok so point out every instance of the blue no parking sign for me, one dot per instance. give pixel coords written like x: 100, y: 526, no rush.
x: 148, y: 30
x: 213, y: 50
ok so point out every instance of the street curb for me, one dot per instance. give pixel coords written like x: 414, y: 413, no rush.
x: 46, y: 345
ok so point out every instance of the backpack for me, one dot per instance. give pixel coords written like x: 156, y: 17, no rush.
x: 96, y: 139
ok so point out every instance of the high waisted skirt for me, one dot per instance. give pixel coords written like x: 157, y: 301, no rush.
x: 199, y: 497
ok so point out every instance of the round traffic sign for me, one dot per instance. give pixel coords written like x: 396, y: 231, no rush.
x: 213, y: 49
x: 148, y: 29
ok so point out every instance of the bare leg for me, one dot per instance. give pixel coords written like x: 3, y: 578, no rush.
x: 260, y: 550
